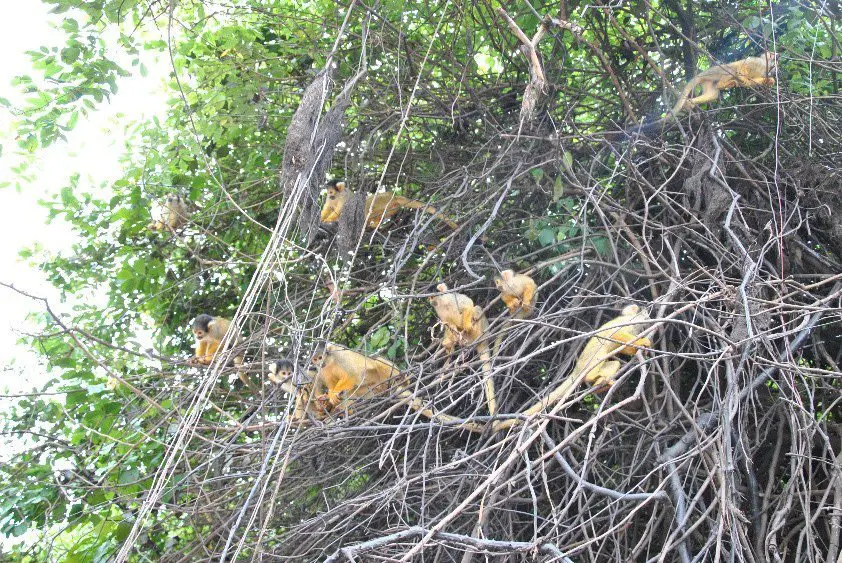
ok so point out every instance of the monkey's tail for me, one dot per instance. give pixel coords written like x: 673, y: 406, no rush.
x: 415, y: 204
x: 416, y: 405
x: 560, y: 393
x: 685, y: 95
x: 490, y: 394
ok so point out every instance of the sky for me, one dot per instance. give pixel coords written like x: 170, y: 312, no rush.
x: 92, y: 149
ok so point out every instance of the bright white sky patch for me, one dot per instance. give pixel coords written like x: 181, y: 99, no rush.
x: 93, y: 149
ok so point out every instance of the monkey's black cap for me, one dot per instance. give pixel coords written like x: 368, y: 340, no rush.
x: 202, y: 320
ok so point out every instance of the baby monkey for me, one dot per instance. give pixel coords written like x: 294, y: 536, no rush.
x: 282, y: 373
x: 752, y: 71
x: 209, y: 332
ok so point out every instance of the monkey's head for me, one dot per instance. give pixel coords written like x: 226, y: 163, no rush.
x: 442, y: 287
x: 335, y: 186
x: 319, y: 355
x: 771, y: 60
x: 281, y: 370
x: 505, y: 277
x: 634, y: 311
x: 201, y: 325
x: 337, y: 195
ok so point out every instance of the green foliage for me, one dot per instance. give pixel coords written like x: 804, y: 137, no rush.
x: 91, y: 443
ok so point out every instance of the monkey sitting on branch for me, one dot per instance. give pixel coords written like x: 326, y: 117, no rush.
x: 173, y: 214
x: 752, y: 71
x: 620, y: 335
x: 464, y: 324
x: 341, y: 376
x: 518, y: 292
x: 378, y: 207
x: 344, y: 371
x: 209, y: 332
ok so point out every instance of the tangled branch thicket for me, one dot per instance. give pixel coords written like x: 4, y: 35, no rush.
x: 720, y: 442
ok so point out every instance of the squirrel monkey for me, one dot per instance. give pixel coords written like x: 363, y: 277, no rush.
x: 343, y: 370
x: 753, y: 71
x: 174, y: 214
x: 619, y: 335
x: 518, y: 292
x: 209, y: 332
x: 378, y: 207
x: 282, y: 373
x: 465, y: 323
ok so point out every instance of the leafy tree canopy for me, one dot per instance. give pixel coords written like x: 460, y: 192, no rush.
x: 724, y: 218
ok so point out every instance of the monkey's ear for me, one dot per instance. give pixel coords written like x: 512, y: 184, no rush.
x: 339, y: 186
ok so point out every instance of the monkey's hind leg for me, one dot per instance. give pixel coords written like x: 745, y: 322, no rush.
x: 528, y: 302
x: 710, y: 92
x: 490, y: 395
x: 604, y: 375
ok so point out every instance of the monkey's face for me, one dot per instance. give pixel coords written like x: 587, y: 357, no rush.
x: 199, y: 332
x: 336, y: 196
x: 282, y: 369
x: 318, y: 358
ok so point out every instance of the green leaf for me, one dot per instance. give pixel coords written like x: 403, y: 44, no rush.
x: 567, y: 160
x: 601, y: 245
x: 70, y: 55
x: 558, y: 189
x: 380, y: 337
x: 75, y: 398
x: 546, y: 237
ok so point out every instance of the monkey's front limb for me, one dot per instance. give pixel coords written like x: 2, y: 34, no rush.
x: 527, y: 301
x: 210, y: 352
x: 603, y: 374
x: 344, y: 383
x: 467, y: 319
x: 512, y: 303
x: 201, y: 350
x: 632, y: 342
x: 761, y: 81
